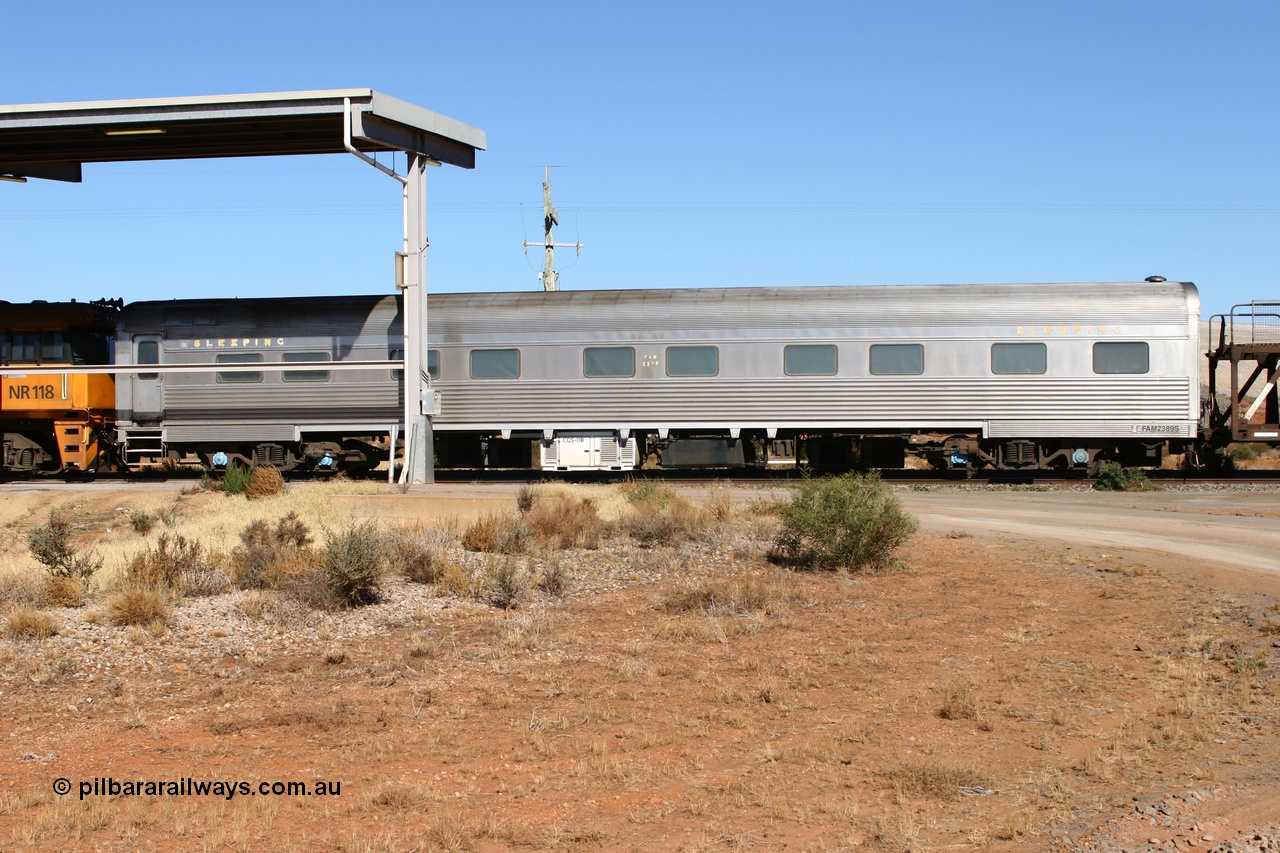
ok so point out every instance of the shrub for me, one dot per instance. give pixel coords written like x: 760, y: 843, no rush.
x: 1114, y: 477
x: 1246, y: 452
x: 51, y: 545
x: 142, y: 521
x: 497, y: 533
x: 63, y: 591
x: 526, y: 497
x: 566, y: 522
x: 137, y: 606
x: 265, y: 553
x: 507, y: 584
x: 30, y: 622
x: 659, y: 515
x: 554, y: 578
x: 352, y: 564
x: 167, y: 566
x: 852, y: 521
x: 264, y: 482
x: 236, y: 478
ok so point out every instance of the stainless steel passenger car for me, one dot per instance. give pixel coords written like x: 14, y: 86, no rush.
x: 1015, y: 376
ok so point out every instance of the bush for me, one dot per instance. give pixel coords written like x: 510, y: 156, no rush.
x: 63, y: 591
x: 142, y: 521
x: 497, y: 533
x: 29, y: 622
x: 50, y: 544
x: 168, y: 565
x: 352, y: 564
x: 265, y: 481
x: 507, y: 584
x: 137, y: 606
x: 265, y: 553
x: 526, y: 497
x: 852, y: 522
x: 566, y: 522
x: 236, y: 478
x: 1246, y: 452
x: 1114, y: 477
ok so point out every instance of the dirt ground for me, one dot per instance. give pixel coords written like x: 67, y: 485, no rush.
x: 999, y: 691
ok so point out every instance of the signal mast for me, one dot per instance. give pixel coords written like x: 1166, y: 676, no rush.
x: 550, y: 219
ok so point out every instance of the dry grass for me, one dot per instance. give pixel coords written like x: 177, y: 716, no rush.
x: 561, y: 521
x: 926, y: 777
x: 63, y: 591
x: 265, y: 482
x: 497, y: 533
x: 137, y: 606
x: 30, y: 623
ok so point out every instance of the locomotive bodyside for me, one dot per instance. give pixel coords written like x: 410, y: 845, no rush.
x: 55, y: 422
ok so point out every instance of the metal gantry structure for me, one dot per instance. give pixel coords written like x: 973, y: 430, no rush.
x: 53, y: 141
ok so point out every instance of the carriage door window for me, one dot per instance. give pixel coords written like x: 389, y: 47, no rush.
x: 1121, y: 357
x: 897, y: 359
x: 148, y: 352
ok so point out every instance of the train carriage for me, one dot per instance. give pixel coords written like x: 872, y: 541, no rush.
x: 1013, y: 376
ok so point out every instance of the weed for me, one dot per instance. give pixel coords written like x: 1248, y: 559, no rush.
x: 63, y: 591
x: 507, y: 584
x: 265, y: 481
x: 554, y: 577
x: 565, y: 522
x: 1114, y: 477
x: 852, y: 521
x: 236, y: 478
x: 931, y: 778
x: 526, y: 497
x: 137, y: 606
x: 958, y: 704
x: 410, y: 557
x: 497, y: 533
x: 265, y: 553
x: 51, y: 545
x: 171, y: 564
x: 352, y: 563
x: 30, y: 622
x: 142, y: 521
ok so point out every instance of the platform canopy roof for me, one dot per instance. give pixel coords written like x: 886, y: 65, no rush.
x: 53, y: 140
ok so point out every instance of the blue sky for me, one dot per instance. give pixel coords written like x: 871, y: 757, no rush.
x: 693, y: 144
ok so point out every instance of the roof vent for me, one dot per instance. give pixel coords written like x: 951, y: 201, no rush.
x: 1156, y: 278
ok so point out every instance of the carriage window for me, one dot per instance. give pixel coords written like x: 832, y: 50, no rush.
x: 1121, y: 357
x: 495, y: 363
x: 897, y: 359
x: 809, y: 360
x: 693, y: 361
x: 148, y: 353
x: 1018, y: 358
x: 433, y: 363
x: 238, y: 358
x: 306, y: 375
x: 608, y: 361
